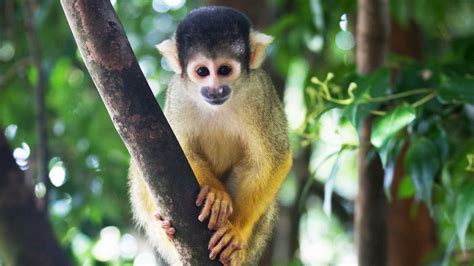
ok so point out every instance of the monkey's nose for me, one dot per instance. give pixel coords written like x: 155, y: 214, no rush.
x: 217, y: 95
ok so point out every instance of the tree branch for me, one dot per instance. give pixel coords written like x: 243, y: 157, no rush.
x: 139, y: 121
x: 35, y: 51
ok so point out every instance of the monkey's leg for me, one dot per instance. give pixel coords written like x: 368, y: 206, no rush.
x: 166, y: 225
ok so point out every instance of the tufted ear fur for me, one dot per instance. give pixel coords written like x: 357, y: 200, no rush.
x: 169, y: 50
x: 258, y: 47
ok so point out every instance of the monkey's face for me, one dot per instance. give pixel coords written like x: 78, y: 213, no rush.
x: 213, y: 77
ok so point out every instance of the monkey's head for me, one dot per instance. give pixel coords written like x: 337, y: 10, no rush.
x: 213, y: 47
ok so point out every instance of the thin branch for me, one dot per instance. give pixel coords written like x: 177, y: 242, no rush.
x: 400, y: 95
x: 35, y: 51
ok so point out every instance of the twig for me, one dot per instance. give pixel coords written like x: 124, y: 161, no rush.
x: 35, y: 51
x: 400, y: 95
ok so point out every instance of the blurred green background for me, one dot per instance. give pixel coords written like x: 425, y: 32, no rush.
x: 312, y: 62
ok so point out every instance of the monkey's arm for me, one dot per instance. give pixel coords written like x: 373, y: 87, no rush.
x: 257, y: 190
x: 218, y: 203
x: 259, y: 185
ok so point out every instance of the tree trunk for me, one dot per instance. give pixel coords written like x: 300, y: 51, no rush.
x: 140, y: 122
x: 26, y: 235
x: 411, y: 238
x: 371, y: 220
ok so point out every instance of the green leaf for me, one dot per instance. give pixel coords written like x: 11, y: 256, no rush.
x: 440, y: 138
x: 388, y: 155
x: 464, y: 212
x: 384, y: 128
x: 457, y: 90
x: 422, y: 164
x: 406, y: 188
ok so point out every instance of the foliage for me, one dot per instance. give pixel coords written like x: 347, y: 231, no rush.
x: 426, y: 106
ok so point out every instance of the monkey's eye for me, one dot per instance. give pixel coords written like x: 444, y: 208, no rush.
x: 202, y: 71
x: 224, y: 70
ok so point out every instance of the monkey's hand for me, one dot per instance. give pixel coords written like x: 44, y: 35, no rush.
x: 217, y: 206
x: 229, y: 243
x: 166, y: 225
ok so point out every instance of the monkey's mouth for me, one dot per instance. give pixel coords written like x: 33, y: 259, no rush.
x: 216, y: 101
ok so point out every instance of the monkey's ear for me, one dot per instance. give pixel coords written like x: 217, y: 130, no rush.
x: 169, y: 50
x: 258, y: 47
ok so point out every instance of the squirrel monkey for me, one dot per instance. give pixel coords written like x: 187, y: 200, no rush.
x: 230, y: 123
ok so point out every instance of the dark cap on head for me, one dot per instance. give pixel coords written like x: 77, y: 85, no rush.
x: 214, y: 31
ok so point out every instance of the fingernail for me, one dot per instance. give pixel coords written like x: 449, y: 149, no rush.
x: 200, y: 218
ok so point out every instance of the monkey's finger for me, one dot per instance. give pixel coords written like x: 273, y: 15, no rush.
x: 222, y: 243
x: 214, y: 214
x: 171, y: 231
x: 166, y: 224
x: 207, y: 207
x: 223, y: 214
x: 216, y: 237
x: 225, y: 261
x: 158, y: 217
x: 230, y: 209
x: 202, y: 195
x: 231, y: 247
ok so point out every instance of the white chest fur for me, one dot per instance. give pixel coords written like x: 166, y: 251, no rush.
x: 216, y: 132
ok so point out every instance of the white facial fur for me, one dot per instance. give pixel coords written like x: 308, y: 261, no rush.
x: 214, y: 78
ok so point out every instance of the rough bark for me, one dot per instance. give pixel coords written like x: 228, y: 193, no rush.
x: 371, y: 220
x: 26, y: 235
x: 139, y: 121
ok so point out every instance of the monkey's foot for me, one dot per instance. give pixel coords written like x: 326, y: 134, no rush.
x: 166, y: 225
x: 217, y: 206
x: 228, y: 242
